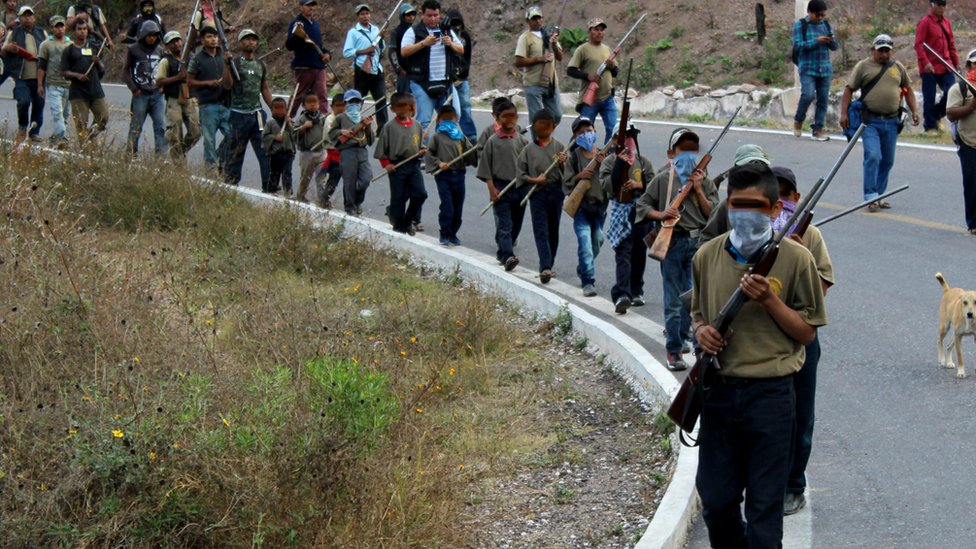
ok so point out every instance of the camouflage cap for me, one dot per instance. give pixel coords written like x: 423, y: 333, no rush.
x: 172, y: 35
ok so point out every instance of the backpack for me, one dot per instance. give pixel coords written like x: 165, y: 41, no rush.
x: 804, y: 24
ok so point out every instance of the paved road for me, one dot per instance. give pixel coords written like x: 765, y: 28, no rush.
x: 894, y: 436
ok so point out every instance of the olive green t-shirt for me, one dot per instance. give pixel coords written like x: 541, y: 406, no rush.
x: 885, y: 96
x: 50, y: 52
x: 588, y: 59
x: 535, y: 159
x: 813, y: 241
x: 965, y: 126
x: 655, y: 198
x: 757, y: 346
x: 499, y: 157
x: 529, y: 46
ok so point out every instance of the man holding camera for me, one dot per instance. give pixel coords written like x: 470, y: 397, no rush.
x: 813, y: 40
x: 432, y: 53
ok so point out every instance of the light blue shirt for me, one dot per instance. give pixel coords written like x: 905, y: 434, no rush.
x: 361, y: 38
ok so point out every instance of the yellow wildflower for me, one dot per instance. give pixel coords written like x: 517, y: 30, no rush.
x: 135, y: 359
x: 403, y: 353
x: 226, y: 422
x: 451, y: 372
x: 413, y: 340
x: 152, y: 456
x: 117, y: 433
x: 420, y: 410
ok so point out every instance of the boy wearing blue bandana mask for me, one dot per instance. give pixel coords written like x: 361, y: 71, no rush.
x: 592, y: 212
x: 688, y: 220
x: 447, y: 144
x: 747, y: 418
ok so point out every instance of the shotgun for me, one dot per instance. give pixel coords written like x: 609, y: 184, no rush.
x: 663, y: 240
x: 623, y: 174
x: 191, y: 36
x: 589, y: 94
x: 687, y: 404
x: 456, y: 159
x: 291, y: 103
x: 368, y: 63
x: 554, y: 32
x: 362, y: 124
x: 272, y: 52
x: 949, y: 66
x: 223, y: 40
x: 575, y: 198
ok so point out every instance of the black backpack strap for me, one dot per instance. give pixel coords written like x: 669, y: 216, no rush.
x: 866, y: 89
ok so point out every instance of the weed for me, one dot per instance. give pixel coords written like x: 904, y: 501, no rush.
x: 563, y: 323
x: 772, y: 64
x: 698, y: 118
x: 647, y: 73
x: 501, y: 36
x: 663, y: 44
x: 571, y: 38
x: 580, y: 343
x: 687, y: 69
x: 676, y: 32
x: 563, y: 495
x: 662, y: 423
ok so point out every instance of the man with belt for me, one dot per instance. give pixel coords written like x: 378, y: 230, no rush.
x: 431, y: 52
x: 311, y: 56
x: 536, y: 53
x: 367, y: 66
x: 689, y: 219
x: 20, y: 49
x: 883, y: 82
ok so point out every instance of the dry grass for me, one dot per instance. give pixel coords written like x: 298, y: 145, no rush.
x: 181, y: 368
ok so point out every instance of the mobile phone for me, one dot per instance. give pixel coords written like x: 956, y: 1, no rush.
x: 437, y: 34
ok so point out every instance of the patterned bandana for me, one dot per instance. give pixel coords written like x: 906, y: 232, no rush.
x: 451, y: 128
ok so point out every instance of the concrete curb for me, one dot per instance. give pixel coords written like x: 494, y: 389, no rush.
x: 672, y: 521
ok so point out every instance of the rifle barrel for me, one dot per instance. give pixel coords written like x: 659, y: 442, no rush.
x: 864, y: 204
x: 950, y: 67
x: 725, y: 130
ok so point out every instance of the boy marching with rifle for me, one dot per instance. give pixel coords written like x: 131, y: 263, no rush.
x: 310, y: 134
x: 446, y: 161
x: 626, y: 173
x: 747, y: 419
x: 400, y: 146
x: 496, y: 168
x: 171, y: 76
x: 278, y: 141
x: 352, y: 133
x: 658, y: 203
x: 540, y: 164
x: 332, y: 165
x: 586, y: 201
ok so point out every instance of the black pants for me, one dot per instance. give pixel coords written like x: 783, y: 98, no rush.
x: 546, y: 205
x: 407, y: 195
x: 630, y: 257
x: 509, y: 214
x: 280, y: 172
x: 450, y: 189
x: 374, y: 85
x: 805, y: 386
x: 30, y: 106
x: 967, y: 159
x: 746, y: 433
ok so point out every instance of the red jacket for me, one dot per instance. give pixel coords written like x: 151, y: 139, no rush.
x: 938, y: 35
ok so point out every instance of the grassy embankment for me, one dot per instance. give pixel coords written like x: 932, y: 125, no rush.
x: 179, y: 367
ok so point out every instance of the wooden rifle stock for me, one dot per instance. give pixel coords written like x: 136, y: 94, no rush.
x: 291, y: 103
x: 687, y: 404
x: 575, y: 198
x: 663, y: 241
x: 589, y: 95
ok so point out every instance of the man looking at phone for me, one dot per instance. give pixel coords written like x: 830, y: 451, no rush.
x: 813, y: 40
x: 432, y: 53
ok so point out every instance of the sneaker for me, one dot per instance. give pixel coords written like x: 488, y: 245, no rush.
x: 638, y: 301
x: 511, y: 263
x: 793, y: 503
x: 820, y: 135
x: 621, y: 305
x: 676, y: 363
x: 455, y: 241
x: 589, y: 290
x: 445, y: 241
x: 545, y: 276
x: 797, y: 128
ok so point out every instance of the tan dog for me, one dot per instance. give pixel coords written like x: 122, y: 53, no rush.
x: 958, y: 313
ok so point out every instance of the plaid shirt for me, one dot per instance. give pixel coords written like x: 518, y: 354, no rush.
x: 814, y: 56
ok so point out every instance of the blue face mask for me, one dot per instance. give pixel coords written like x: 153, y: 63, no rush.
x: 451, y: 128
x: 353, y: 112
x: 586, y: 140
x: 750, y: 230
x: 684, y: 163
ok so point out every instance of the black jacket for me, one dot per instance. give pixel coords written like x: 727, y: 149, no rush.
x: 398, y: 63
x: 462, y: 64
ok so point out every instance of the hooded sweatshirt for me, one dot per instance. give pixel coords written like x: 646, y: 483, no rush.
x: 463, y: 64
x: 398, y: 63
x: 142, y: 60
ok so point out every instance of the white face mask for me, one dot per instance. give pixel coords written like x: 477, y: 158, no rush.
x: 750, y: 230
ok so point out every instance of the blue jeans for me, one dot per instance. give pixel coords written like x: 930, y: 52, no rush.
x: 30, y: 106
x: 153, y: 105
x: 932, y: 112
x: 450, y: 189
x: 588, y: 227
x: 244, y: 130
x: 407, y: 194
x: 607, y: 110
x: 967, y: 159
x: 745, y: 437
x: 213, y: 117
x: 426, y: 106
x: 676, y: 274
x: 536, y: 98
x: 57, y: 98
x: 879, y: 139
x: 509, y: 214
x: 463, y: 93
x: 546, y: 205
x: 805, y: 386
x: 813, y: 87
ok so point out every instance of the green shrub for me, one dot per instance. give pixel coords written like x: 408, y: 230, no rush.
x: 572, y: 37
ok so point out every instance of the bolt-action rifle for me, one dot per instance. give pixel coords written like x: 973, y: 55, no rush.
x: 663, y: 240
x: 589, y: 95
x: 687, y: 404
